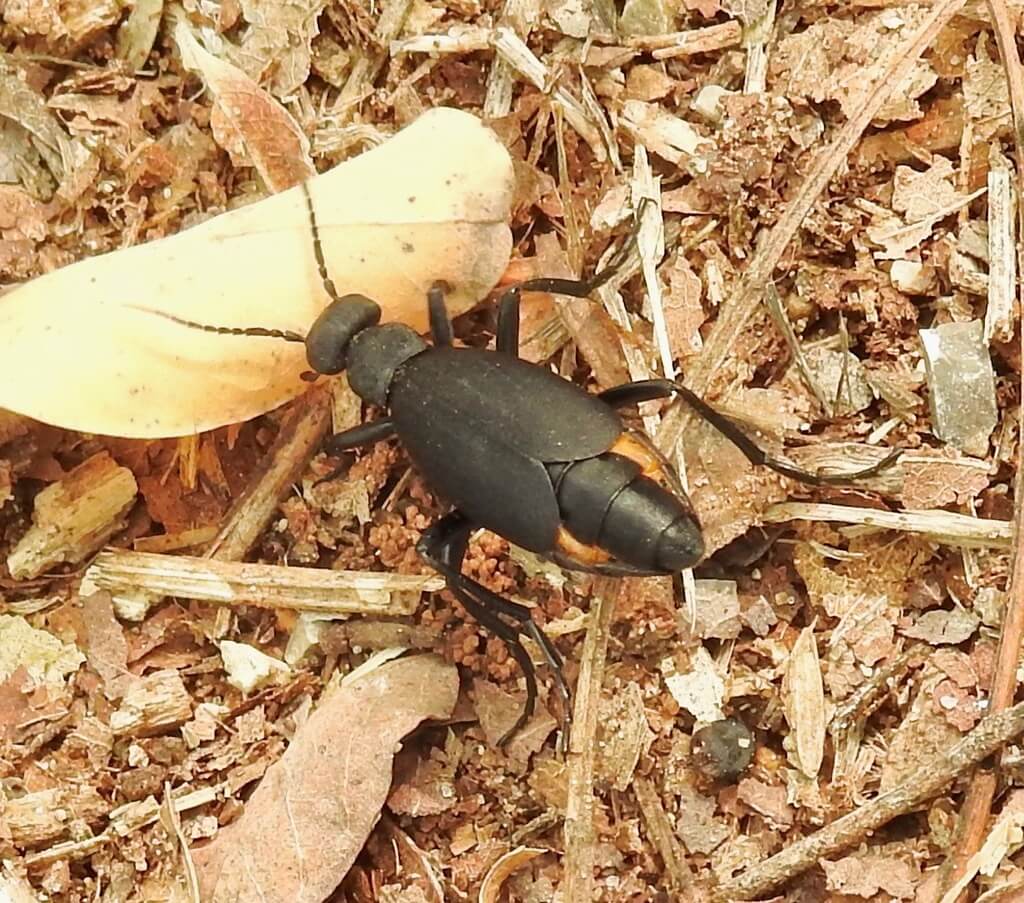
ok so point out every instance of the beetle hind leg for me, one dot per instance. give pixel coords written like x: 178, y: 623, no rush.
x: 443, y: 546
x: 651, y: 389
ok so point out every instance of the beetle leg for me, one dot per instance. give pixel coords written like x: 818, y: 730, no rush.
x: 443, y: 546
x: 506, y: 338
x: 440, y: 324
x: 637, y: 392
x: 650, y: 389
x: 364, y: 434
x: 582, y: 288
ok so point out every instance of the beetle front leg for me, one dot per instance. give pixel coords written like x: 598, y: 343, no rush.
x: 440, y: 322
x: 364, y: 434
x: 506, y: 337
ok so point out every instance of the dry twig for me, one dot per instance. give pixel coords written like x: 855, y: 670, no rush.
x: 992, y: 733
x: 578, y: 883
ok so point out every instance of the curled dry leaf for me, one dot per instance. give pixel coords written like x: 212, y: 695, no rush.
x: 309, y: 818
x: 83, y: 349
x: 496, y: 876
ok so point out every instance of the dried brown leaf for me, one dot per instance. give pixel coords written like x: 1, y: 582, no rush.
x: 310, y: 816
x: 498, y: 711
x: 865, y: 876
x: 838, y: 59
x: 922, y: 735
x: 938, y: 483
x: 247, y: 122
x: 104, y: 643
x: 767, y: 799
x: 942, y: 626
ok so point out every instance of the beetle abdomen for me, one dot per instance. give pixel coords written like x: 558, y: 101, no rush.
x: 606, y: 502
x: 586, y: 490
x: 648, y: 526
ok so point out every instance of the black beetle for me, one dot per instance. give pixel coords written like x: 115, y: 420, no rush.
x: 516, y: 449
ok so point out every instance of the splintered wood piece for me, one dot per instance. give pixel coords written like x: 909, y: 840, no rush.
x: 74, y: 516
x: 152, y: 705
x: 265, y: 585
x: 46, y: 815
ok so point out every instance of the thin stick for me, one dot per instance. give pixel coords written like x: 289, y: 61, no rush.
x: 663, y: 839
x: 993, y: 732
x: 941, y: 526
x: 579, y: 811
x: 300, y: 436
x: 977, y: 805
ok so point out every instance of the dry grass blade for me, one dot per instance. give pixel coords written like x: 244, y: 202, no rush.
x: 940, y: 526
x: 490, y: 887
x: 781, y: 318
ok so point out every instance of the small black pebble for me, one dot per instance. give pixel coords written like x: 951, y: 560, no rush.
x: 723, y: 749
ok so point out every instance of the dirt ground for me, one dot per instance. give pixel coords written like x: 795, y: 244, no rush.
x: 225, y: 672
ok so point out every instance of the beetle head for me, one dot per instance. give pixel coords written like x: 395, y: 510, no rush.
x: 375, y: 354
x: 329, y: 337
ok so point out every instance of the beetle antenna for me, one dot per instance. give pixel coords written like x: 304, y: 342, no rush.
x: 255, y: 331
x: 318, y: 248
x: 583, y: 288
x: 261, y: 331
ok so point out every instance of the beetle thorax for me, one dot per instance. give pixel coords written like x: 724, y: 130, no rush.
x: 375, y: 354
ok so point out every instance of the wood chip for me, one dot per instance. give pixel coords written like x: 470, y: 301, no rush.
x: 75, y: 516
